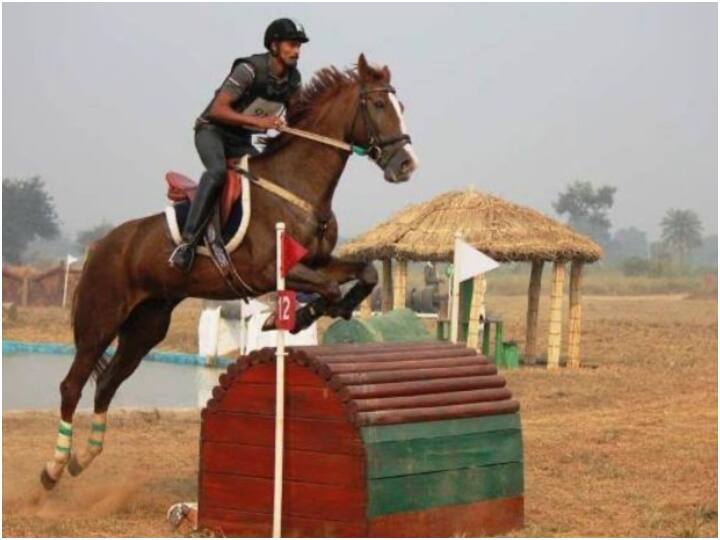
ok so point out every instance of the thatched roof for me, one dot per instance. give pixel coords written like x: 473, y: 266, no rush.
x: 503, y: 230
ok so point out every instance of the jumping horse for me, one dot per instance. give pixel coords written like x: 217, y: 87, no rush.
x: 127, y: 290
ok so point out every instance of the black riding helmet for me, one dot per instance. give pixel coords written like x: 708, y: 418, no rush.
x: 284, y: 30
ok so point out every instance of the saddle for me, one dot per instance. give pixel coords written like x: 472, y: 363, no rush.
x: 227, y: 225
x: 181, y: 188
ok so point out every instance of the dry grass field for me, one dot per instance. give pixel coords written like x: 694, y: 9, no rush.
x: 628, y: 448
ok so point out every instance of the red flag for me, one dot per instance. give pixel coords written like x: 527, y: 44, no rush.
x: 292, y: 252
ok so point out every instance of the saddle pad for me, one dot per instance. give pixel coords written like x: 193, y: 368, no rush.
x: 234, y: 230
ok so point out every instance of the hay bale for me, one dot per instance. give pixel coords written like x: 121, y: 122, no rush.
x: 400, y: 325
x: 395, y: 326
x: 352, y: 331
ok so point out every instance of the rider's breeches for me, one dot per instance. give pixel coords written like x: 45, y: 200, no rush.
x: 215, y: 146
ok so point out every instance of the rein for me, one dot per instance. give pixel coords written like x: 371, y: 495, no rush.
x: 377, y: 144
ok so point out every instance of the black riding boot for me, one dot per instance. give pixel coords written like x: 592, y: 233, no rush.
x: 184, y: 255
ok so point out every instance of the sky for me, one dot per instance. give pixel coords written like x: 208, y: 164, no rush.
x: 517, y: 100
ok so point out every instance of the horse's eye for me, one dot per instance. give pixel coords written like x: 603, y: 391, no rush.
x: 380, y: 104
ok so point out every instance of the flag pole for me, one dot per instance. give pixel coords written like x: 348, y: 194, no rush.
x: 279, y: 394
x: 455, y: 312
x: 67, y: 279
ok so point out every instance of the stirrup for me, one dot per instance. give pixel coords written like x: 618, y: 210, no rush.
x: 184, y: 251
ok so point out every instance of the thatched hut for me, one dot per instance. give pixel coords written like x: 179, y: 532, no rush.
x: 503, y: 230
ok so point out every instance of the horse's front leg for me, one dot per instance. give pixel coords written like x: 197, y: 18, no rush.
x: 342, y: 271
x: 336, y: 272
x: 304, y: 279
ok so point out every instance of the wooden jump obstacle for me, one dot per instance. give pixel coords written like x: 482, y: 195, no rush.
x: 381, y: 440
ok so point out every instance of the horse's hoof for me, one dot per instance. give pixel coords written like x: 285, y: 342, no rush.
x: 47, y: 482
x: 73, y: 467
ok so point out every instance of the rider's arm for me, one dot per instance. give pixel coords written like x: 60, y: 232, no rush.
x: 221, y: 111
x: 234, y: 86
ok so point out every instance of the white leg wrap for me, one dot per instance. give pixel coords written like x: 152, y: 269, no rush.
x: 95, y: 442
x: 62, y: 450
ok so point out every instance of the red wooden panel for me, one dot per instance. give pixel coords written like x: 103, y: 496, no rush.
x: 300, y: 401
x: 301, y: 434
x: 414, y: 388
x: 338, y: 469
x: 490, y: 517
x: 429, y: 400
x: 445, y: 412
x: 369, y: 348
x: 295, y: 375
x: 301, y: 499
x: 397, y: 356
x: 404, y: 375
x: 364, y: 367
x: 227, y: 523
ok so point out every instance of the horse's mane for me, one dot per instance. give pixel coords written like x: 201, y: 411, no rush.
x: 303, y: 108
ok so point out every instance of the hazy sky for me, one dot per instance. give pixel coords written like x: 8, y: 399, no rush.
x: 516, y: 100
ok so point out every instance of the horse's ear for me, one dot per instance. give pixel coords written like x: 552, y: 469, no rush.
x: 363, y: 67
x: 386, y: 73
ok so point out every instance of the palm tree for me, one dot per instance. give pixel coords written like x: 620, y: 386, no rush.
x: 681, y: 232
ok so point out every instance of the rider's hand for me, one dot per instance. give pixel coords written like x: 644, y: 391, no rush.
x: 270, y: 122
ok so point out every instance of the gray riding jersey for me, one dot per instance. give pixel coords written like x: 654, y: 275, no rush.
x: 239, y: 83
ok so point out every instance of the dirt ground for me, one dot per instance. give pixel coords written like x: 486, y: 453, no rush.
x: 628, y: 448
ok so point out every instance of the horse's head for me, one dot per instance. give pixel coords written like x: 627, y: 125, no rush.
x: 379, y: 124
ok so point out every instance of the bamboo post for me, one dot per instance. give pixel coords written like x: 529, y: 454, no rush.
x: 575, y: 314
x: 387, y: 285
x: 399, y: 284
x: 555, y: 331
x: 477, y: 309
x: 366, y: 308
x: 455, y: 302
x: 532, y: 310
x: 25, y: 289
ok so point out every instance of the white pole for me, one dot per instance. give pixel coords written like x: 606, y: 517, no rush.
x: 67, y: 278
x: 455, y: 312
x: 279, y: 396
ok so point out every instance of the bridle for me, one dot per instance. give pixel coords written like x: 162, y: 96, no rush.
x: 376, y: 145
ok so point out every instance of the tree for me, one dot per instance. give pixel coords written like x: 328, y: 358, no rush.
x: 88, y: 236
x: 28, y: 212
x: 587, y: 209
x: 681, y: 232
x: 627, y: 243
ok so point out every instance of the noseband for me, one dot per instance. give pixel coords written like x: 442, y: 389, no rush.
x: 376, y: 145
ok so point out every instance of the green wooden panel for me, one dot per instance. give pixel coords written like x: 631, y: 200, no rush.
x: 440, y: 428
x: 459, y: 486
x: 415, y: 456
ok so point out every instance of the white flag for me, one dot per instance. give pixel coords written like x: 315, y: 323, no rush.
x: 70, y: 259
x: 471, y: 262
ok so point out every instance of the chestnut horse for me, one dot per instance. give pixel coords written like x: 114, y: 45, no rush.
x: 127, y: 290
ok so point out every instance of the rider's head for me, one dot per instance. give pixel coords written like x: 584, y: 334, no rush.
x: 283, y: 39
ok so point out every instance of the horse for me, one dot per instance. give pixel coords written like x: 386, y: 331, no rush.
x: 128, y: 291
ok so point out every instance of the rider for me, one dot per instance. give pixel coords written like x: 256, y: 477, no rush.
x: 250, y: 100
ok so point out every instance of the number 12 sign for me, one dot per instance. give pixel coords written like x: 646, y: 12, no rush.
x: 286, y: 305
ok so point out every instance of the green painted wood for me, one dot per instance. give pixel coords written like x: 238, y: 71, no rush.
x: 440, y: 428
x: 459, y: 486
x: 416, y: 456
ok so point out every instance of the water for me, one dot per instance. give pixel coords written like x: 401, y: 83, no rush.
x: 32, y: 381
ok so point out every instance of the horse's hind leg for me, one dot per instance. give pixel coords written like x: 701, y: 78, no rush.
x: 89, y: 351
x: 146, y: 326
